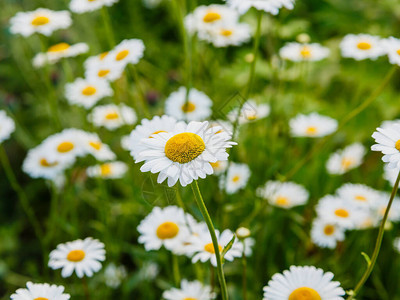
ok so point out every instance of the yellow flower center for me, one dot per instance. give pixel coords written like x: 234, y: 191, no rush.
x: 103, y: 55
x: 364, y: 46
x: 40, y: 20
x: 190, y: 298
x: 89, y: 90
x: 398, y: 52
x: 360, y: 198
x: 76, y: 255
x: 282, y: 201
x: 65, y: 147
x: 329, y: 229
x: 397, y: 145
x: 251, y: 117
x: 305, y: 52
x: 95, y: 145
x: 236, y: 178
x: 46, y: 164
x: 304, y: 293
x: 58, y: 47
x: 112, y: 116
x: 342, y: 213
x: 210, y: 248
x: 311, y: 130
x: 188, y: 107
x: 347, y: 163
x: 215, y: 165
x: 156, y: 132
x: 184, y: 147
x: 105, y: 169
x: 103, y: 73
x: 211, y: 16
x: 167, y: 230
x: 226, y: 32
x: 41, y: 298
x: 122, y: 54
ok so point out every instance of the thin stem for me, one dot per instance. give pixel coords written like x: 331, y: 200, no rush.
x: 175, y: 270
x: 378, y: 242
x: 108, y: 27
x: 85, y: 288
x: 207, y: 219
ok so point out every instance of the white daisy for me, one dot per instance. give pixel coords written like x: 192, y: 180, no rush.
x: 304, y: 52
x: 236, y: 178
x: 270, y: 6
x: 390, y: 174
x: 58, y: 51
x: 219, y: 167
x: 359, y: 194
x: 392, y: 48
x: 362, y: 46
x: 284, y: 194
x: 225, y: 35
x: 389, y: 123
x: 7, y: 126
x: 94, y: 146
x: 197, y: 108
x: 82, y: 6
x: 112, y: 116
x: 40, y: 291
x: 41, y: 20
x: 306, y: 282
x: 190, y: 290
x: 346, y: 159
x: 113, y: 275
x: 380, y: 206
x: 251, y: 111
x: 127, y: 52
x: 226, y: 126
x: 185, y: 153
x: 313, y: 125
x: 388, y: 142
x: 87, y: 92
x: 326, y: 234
x: 109, y: 170
x: 81, y: 256
x: 104, y: 67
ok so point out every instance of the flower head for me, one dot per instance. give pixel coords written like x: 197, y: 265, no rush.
x: 57, y: 52
x: 312, y: 125
x: 270, y: 6
x: 284, y: 194
x: 190, y: 290
x: 41, y: 291
x: 388, y: 142
x: 304, y: 52
x: 83, y: 6
x: 362, y: 46
x: 112, y: 116
x: 346, y: 159
x: 108, y: 170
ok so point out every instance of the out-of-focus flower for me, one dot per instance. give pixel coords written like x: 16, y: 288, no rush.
x: 35, y: 291
x: 7, y: 126
x: 346, y: 159
x: 127, y: 52
x: 270, y: 6
x: 103, y: 67
x: 58, y: 51
x: 313, y: 125
x: 304, y: 52
x: 284, y: 194
x: 190, y: 290
x: 112, y: 116
x: 250, y: 112
x: 362, y: 46
x: 236, y: 178
x: 109, y: 170
x: 326, y: 234
x: 83, y: 6
x: 113, y: 275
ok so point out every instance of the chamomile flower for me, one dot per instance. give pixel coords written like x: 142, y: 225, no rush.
x: 380, y: 207
x: 390, y: 174
x: 284, y: 194
x: 7, y: 126
x: 104, y: 67
x: 250, y: 112
x: 41, y: 20
x: 112, y: 116
x: 94, y: 146
x: 303, y: 52
x: 109, y: 170
x: 312, y: 125
x: 326, y: 234
x: 392, y: 47
x: 388, y: 142
x: 236, y: 178
x: 225, y: 35
x: 185, y: 153
x: 87, y: 92
x: 196, y: 108
x: 35, y: 291
x: 346, y: 159
x: 270, y: 6
x: 114, y: 275
x: 163, y: 227
x: 83, y: 6
x: 306, y: 282
x: 58, y: 51
x: 82, y: 256
x: 147, y: 129
x: 219, y: 167
x: 362, y: 46
x: 189, y: 290
x: 127, y: 52
x: 226, y: 126
x: 359, y: 194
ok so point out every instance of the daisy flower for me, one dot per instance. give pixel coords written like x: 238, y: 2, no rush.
x: 81, y: 256
x: 326, y: 234
x: 388, y: 142
x: 359, y: 194
x: 225, y: 35
x: 380, y: 206
x: 219, y: 167
x: 112, y: 116
x: 313, y: 125
x: 87, y: 92
x: 103, y: 67
x: 197, y: 108
x: 251, y: 111
x: 7, y: 126
x: 304, y: 52
x: 58, y: 51
x: 362, y: 46
x: 41, y: 291
x: 346, y: 159
x: 390, y: 174
x: 226, y: 126
x: 284, y: 194
x: 94, y: 146
x: 185, y: 153
x: 190, y: 290
x: 236, y: 178
x: 83, y: 6
x: 109, y: 170
x: 392, y: 47
x: 269, y: 6
x: 127, y: 52
x: 41, y: 20
x: 163, y: 227
x: 306, y: 282
x: 113, y: 275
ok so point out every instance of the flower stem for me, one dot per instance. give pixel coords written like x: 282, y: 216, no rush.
x: 175, y: 270
x: 207, y: 219
x: 85, y: 288
x: 378, y: 243
x: 244, y: 274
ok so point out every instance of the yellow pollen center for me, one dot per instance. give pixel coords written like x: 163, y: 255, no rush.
x: 215, y: 165
x: 89, y: 90
x: 342, y: 213
x: 40, y: 20
x: 329, y: 229
x: 210, y: 248
x: 236, y: 178
x: 226, y: 32
x: 95, y: 145
x: 105, y: 169
x: 76, y: 255
x: 305, y: 52
x: 251, y: 117
x: 397, y: 145
x: 282, y: 201
x: 211, y: 16
x: 112, y: 115
x: 188, y: 107
x: 122, y: 54
x: 304, y: 293
x: 360, y: 198
x: 347, y: 163
x: 364, y: 46
x: 184, y: 147
x: 41, y: 298
x: 103, y: 55
x: 398, y: 52
x: 58, y: 47
x: 190, y: 298
x: 65, y: 147
x: 103, y: 73
x: 311, y: 130
x: 167, y: 230
x: 46, y: 164
x: 156, y: 132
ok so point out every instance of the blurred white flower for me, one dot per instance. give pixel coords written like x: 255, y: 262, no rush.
x: 83, y: 6
x: 270, y: 6
x: 109, y: 170
x: 189, y: 290
x: 58, y: 51
x: 236, y: 178
x: 326, y: 234
x: 304, y: 52
x: 112, y: 116
x: 35, y: 291
x: 312, y: 125
x: 250, y: 112
x: 114, y: 275
x: 346, y: 159
x: 127, y: 52
x: 7, y: 126
x: 362, y: 46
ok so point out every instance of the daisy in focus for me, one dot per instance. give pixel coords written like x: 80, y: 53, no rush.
x: 41, y: 291
x: 236, y: 178
x: 83, y: 6
x: 312, y: 125
x: 347, y: 159
x: 83, y: 257
x: 251, y: 111
x: 112, y: 116
x: 41, y: 20
x: 326, y: 234
x: 284, y: 194
x: 127, y: 52
x: 388, y: 142
x: 362, y: 46
x: 306, y: 282
x: 57, y: 52
x: 190, y: 290
x: 269, y: 6
x: 7, y: 126
x: 196, y: 108
x: 109, y: 170
x: 304, y: 52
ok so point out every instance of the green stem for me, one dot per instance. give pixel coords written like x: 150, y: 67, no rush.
x: 378, y: 242
x: 244, y: 274
x: 108, y: 27
x: 85, y: 288
x: 175, y: 270
x: 207, y: 219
